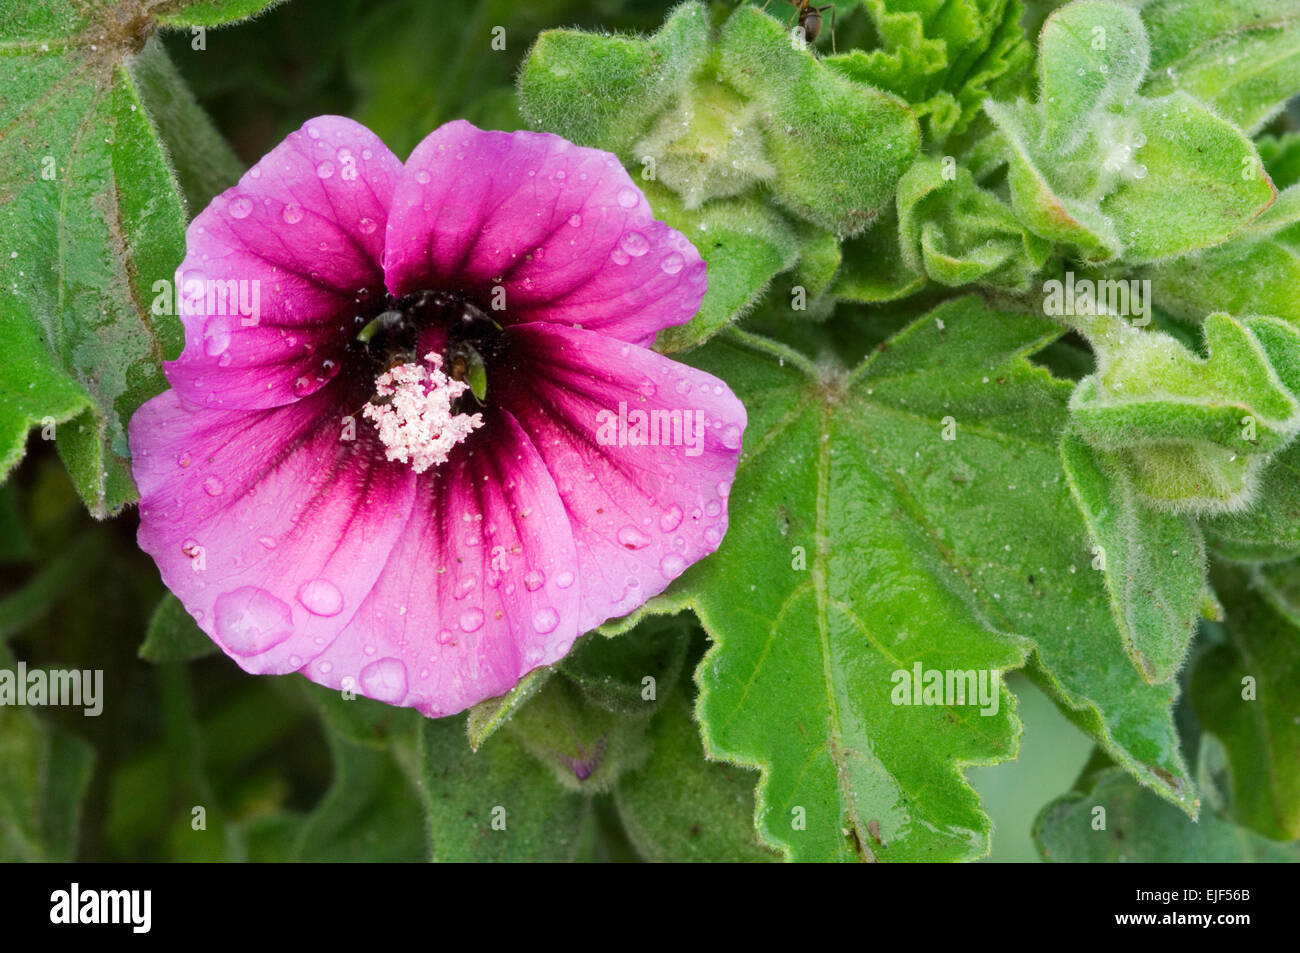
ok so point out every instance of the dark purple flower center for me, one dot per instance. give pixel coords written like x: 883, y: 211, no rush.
x: 388, y: 330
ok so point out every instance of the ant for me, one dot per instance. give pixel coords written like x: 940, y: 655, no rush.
x: 810, y: 19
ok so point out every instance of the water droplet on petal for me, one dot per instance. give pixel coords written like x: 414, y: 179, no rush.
x: 630, y: 537
x: 628, y: 198
x: 213, y: 487
x: 672, y: 264
x: 471, y: 620
x: 367, y: 226
x: 545, y: 620
x: 534, y: 579
x: 634, y: 243
x: 321, y: 597
x: 325, y: 169
x: 445, y: 636
x: 422, y: 177
x: 619, y: 257
x: 465, y: 586
x: 216, y: 335
x: 240, y: 207
x: 250, y: 621
x: 564, y: 580
x: 731, y: 437
x: 672, y: 565
x: 267, y: 541
x: 670, y: 518
x: 575, y: 220
x: 384, y: 680
x: 293, y: 213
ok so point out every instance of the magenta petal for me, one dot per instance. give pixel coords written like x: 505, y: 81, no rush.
x: 270, y: 529
x: 299, y: 235
x: 563, y: 229
x: 480, y: 589
x: 640, y: 514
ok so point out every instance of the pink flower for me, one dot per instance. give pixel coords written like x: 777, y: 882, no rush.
x: 323, y: 487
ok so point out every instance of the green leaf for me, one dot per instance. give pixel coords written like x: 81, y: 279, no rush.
x: 185, y: 13
x: 585, y: 745
x: 1279, y: 585
x: 1154, y: 562
x: 1203, y: 182
x: 44, y: 774
x: 680, y: 807
x: 745, y: 246
x: 90, y: 218
x: 1091, y: 56
x: 496, y: 804
x: 1097, y: 167
x: 174, y: 636
x: 1271, y: 528
x: 1192, y: 432
x: 205, y: 164
x: 604, y: 91
x: 945, y: 59
x: 1240, y: 56
x: 1243, y: 692
x: 631, y: 673
x: 1144, y: 829
x: 1254, y: 273
x: 487, y: 716
x: 838, y: 147
x: 369, y: 813
x: 872, y: 544
x: 874, y: 270
x: 958, y: 234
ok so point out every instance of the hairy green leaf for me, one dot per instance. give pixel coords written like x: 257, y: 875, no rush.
x: 495, y: 804
x: 1096, y: 166
x: 1153, y: 562
x: 959, y: 234
x: 90, y: 218
x: 1141, y: 828
x: 1240, y: 56
x: 943, y: 58
x: 1244, y: 694
x: 1193, y: 433
x: 874, y: 545
x: 680, y: 807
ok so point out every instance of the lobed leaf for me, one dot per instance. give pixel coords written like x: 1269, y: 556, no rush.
x: 915, y: 550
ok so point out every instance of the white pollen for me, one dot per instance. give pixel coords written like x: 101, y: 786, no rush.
x: 417, y: 425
